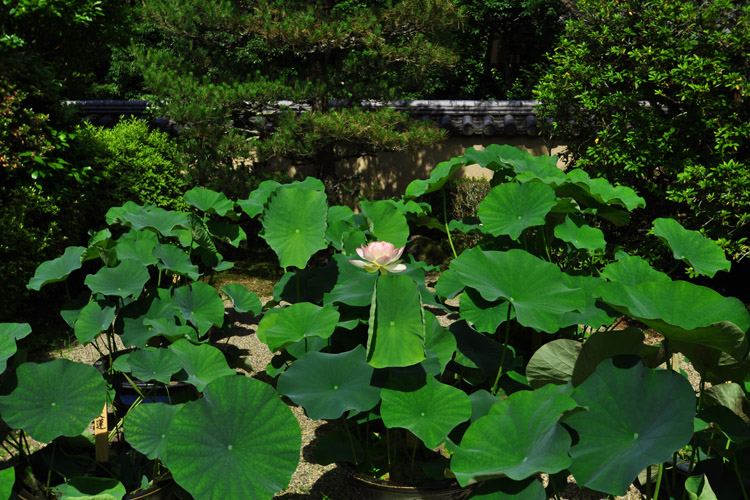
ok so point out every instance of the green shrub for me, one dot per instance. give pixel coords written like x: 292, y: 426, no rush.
x: 652, y: 95
x: 465, y: 196
x: 129, y: 162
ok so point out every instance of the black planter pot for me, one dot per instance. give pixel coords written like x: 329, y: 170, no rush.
x: 153, y: 392
x: 370, y: 488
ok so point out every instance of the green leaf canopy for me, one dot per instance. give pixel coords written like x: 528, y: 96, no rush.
x: 327, y: 385
x: 703, y: 254
x: 57, y: 398
x: 146, y: 427
x: 57, y: 269
x: 431, y: 412
x: 200, y: 304
x: 239, y: 441
x: 683, y: 311
x: 296, y: 322
x: 386, y: 222
x: 125, y: 280
x: 520, y: 437
x: 510, y: 208
x: 294, y: 224
x: 397, y: 331
x: 9, y: 333
x: 203, y: 363
x: 209, y: 201
x: 618, y: 440
x: 242, y: 299
x: 534, y: 287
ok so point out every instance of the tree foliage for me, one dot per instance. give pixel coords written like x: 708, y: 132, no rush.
x: 227, y: 63
x: 652, y: 95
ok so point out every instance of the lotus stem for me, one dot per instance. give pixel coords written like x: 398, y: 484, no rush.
x: 448, y: 231
x: 505, y: 350
x: 351, y: 444
x: 658, y: 481
x: 51, y: 465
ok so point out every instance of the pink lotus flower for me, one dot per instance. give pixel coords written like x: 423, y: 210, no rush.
x: 380, y: 255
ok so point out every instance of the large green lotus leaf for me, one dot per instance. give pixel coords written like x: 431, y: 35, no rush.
x: 94, y: 318
x: 203, y: 363
x: 296, y: 322
x: 510, y: 208
x: 9, y: 333
x: 534, y: 287
x: 602, y: 191
x: 200, y: 304
x: 606, y: 344
x: 596, y: 313
x: 327, y: 385
x: 309, y: 285
x: 439, y: 175
x: 526, y: 166
x: 57, y: 398
x: 507, y: 489
x: 386, y: 222
x: 130, y: 323
x: 729, y: 395
x: 7, y: 478
x: 481, y: 402
x: 396, y: 335
x: 336, y: 447
x: 704, y: 255
x: 153, y: 363
x: 553, y: 363
x: 477, y: 351
x: 618, y: 440
x: 153, y: 218
x: 339, y: 225
x: 631, y: 271
x: 210, y: 202
x: 522, y: 440
x: 92, y: 488
x: 353, y: 286
x: 449, y: 285
x: 168, y: 328
x: 580, y: 234
x: 294, y: 225
x: 715, y: 367
x: 438, y: 340
x: 227, y: 232
x: 255, y: 203
x: 176, y: 260
x: 698, y: 488
x: 683, y: 311
x: 138, y: 246
x: 125, y: 280
x: 239, y: 441
x: 484, y: 316
x: 146, y: 427
x: 430, y: 413
x: 243, y: 300
x: 57, y: 269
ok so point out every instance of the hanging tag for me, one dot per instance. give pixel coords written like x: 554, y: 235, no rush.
x: 101, y: 436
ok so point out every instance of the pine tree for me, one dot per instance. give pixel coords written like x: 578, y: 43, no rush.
x: 224, y: 63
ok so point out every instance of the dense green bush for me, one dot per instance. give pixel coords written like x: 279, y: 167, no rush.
x: 129, y: 162
x: 652, y: 95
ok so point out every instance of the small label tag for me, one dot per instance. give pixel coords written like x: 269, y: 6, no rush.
x: 101, y: 436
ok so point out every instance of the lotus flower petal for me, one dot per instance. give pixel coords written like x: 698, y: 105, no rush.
x: 380, y: 255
